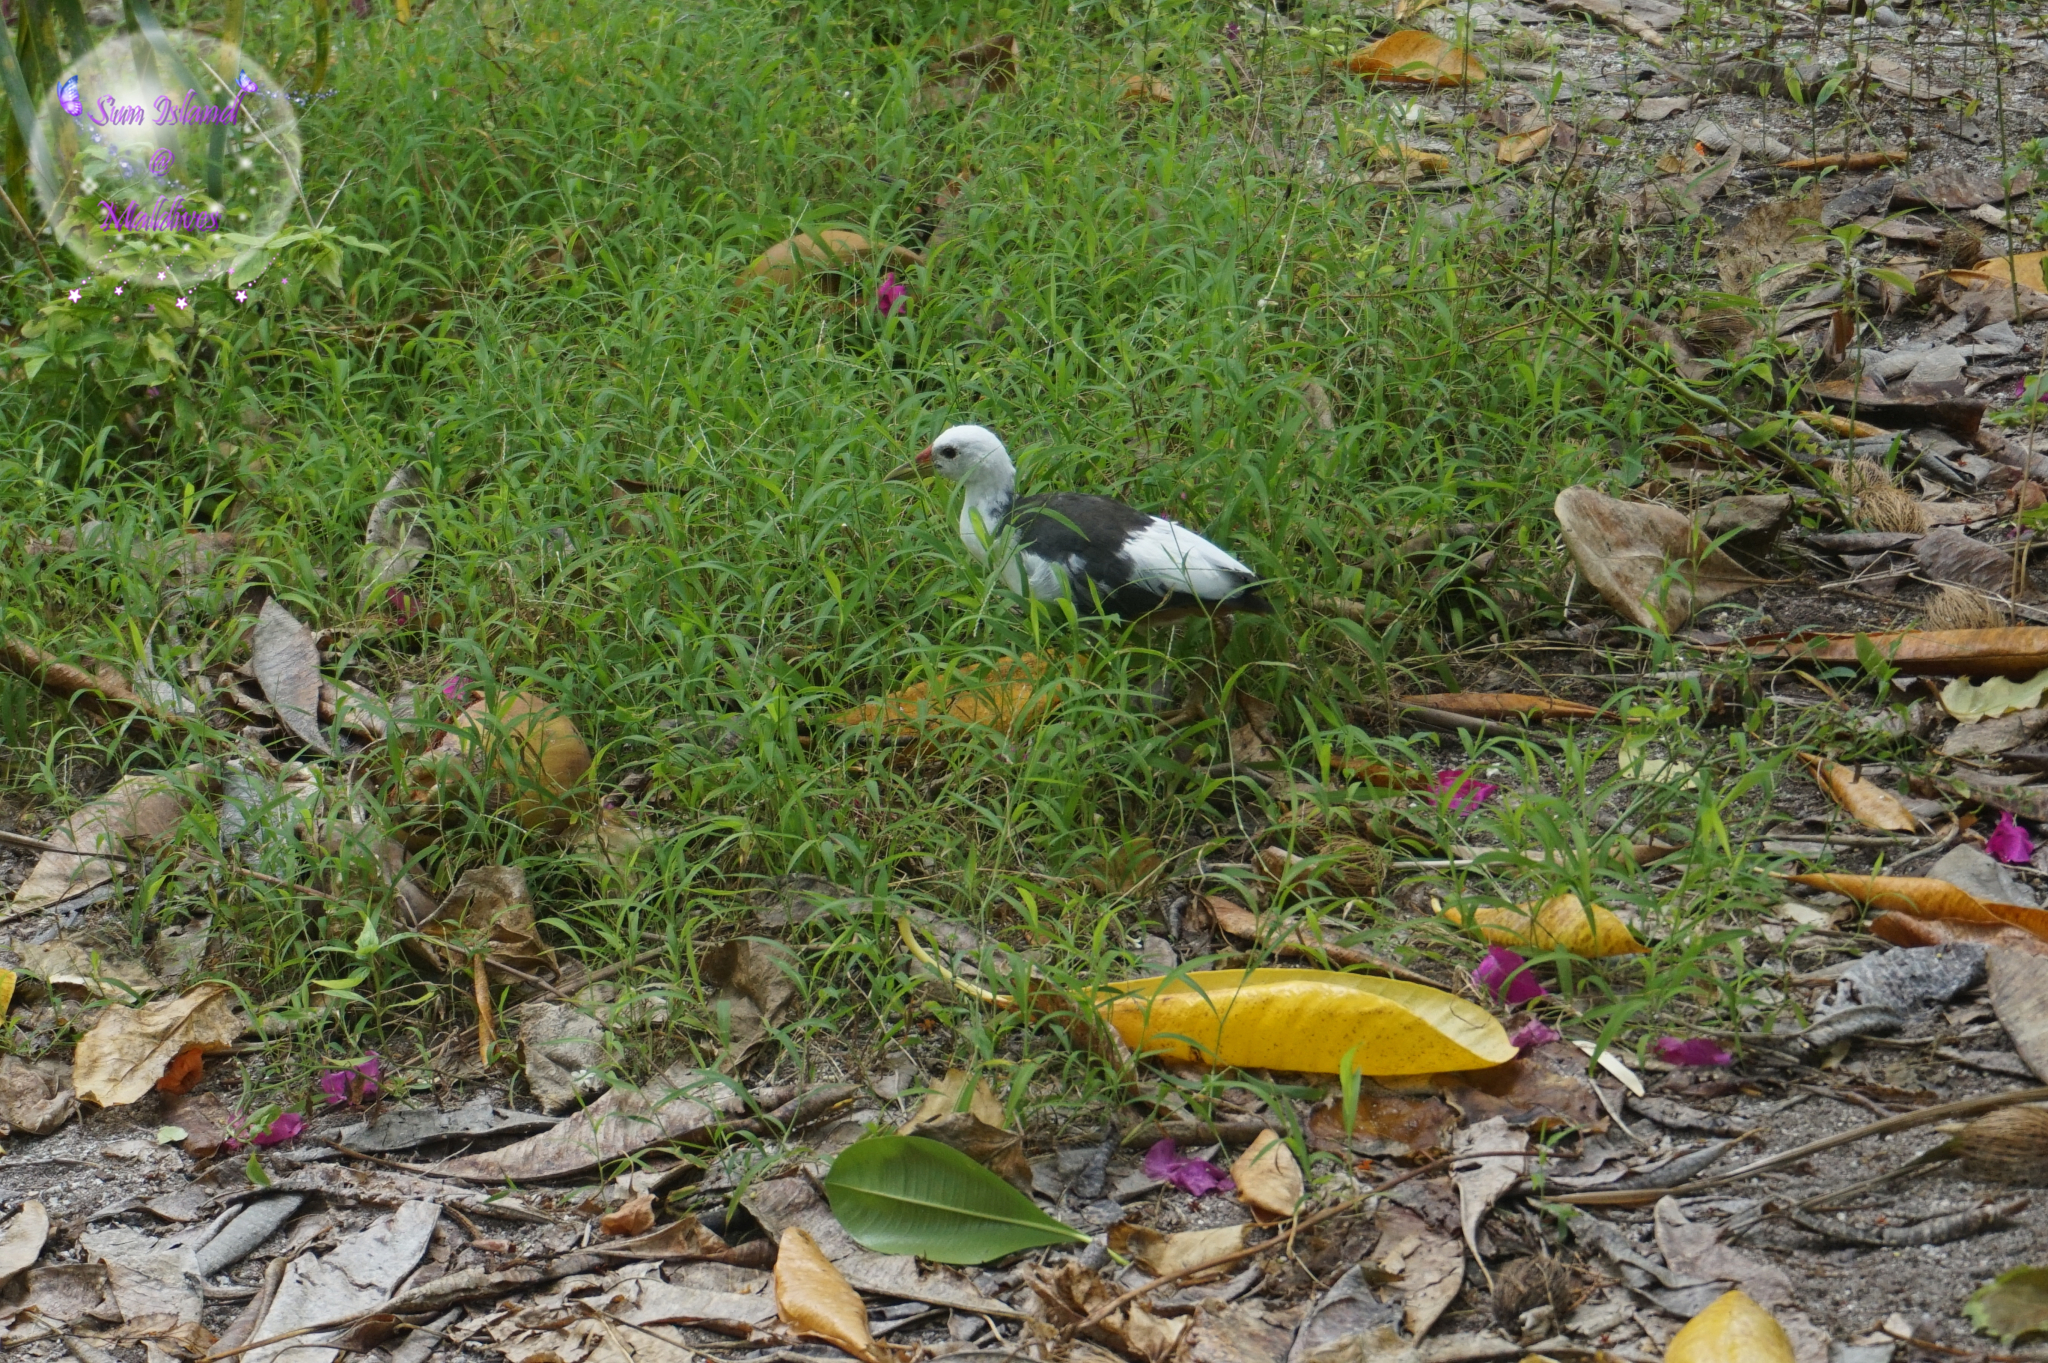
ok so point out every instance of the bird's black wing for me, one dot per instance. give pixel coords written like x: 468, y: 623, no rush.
x: 1084, y: 536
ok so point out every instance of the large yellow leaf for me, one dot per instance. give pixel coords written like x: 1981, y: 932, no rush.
x: 1305, y: 1020
x: 1561, y: 921
x: 1733, y: 1328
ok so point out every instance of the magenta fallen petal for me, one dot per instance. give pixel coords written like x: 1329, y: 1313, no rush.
x: 335, y: 1086
x: 454, y: 686
x: 285, y: 1128
x: 1467, y: 794
x: 1697, y: 1051
x: 1191, y: 1174
x: 1534, y: 1033
x: 1501, y: 973
x: 2009, y: 842
x: 891, y: 296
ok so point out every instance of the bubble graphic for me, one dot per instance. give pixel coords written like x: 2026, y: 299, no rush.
x: 166, y: 161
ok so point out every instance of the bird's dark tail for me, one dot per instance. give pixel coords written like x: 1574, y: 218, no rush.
x: 1249, y: 600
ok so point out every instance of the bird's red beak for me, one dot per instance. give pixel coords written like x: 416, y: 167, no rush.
x: 920, y: 467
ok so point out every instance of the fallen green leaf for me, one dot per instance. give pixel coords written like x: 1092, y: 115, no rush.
x: 1970, y: 701
x: 909, y: 1195
x: 170, y: 1135
x: 2012, y: 1304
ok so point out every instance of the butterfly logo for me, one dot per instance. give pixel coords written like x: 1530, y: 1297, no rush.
x: 67, y: 97
x: 245, y: 84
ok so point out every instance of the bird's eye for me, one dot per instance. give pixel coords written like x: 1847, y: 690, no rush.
x: 945, y: 454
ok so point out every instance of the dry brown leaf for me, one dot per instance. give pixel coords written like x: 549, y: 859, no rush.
x: 286, y: 661
x: 1385, y: 1125
x: 1502, y: 705
x: 2019, y: 996
x: 395, y: 538
x: 988, y: 68
x: 1141, y: 89
x: 681, y: 1104
x: 1485, y: 1174
x: 1654, y: 566
x: 1904, y: 409
x: 1074, y: 1293
x: 142, y: 808
x: 1871, y: 804
x: 103, y: 690
x: 21, y: 1239
x: 526, y: 751
x: 1930, y: 900
x: 128, y: 1049
x: 1614, y: 13
x: 755, y: 979
x: 1268, y: 1178
x: 35, y: 1098
x: 634, y: 1217
x: 1429, y: 1265
x: 2019, y: 650
x: 951, y: 1095
x: 488, y: 910
x: 1513, y: 151
x: 826, y: 256
x: 812, y: 1296
x: 1240, y: 922
x: 208, y: 1122
x: 1008, y: 696
x: 1162, y: 1254
x: 1411, y: 57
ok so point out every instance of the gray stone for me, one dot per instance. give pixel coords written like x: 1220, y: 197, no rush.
x: 1887, y: 17
x: 1938, y: 366
x: 1970, y: 868
x: 1906, y: 978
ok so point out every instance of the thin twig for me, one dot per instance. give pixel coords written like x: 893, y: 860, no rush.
x: 1905, y: 1121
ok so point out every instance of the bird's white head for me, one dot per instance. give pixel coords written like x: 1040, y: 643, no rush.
x: 967, y: 454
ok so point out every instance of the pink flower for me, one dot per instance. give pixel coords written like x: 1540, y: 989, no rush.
x: 118, y: 288
x: 74, y: 295
x: 2009, y: 842
x: 1193, y: 1176
x: 890, y: 296
x: 1533, y: 1033
x: 353, y: 1086
x: 159, y: 276
x: 286, y: 1127
x: 181, y: 305
x: 241, y: 295
x: 1698, y: 1051
x: 1502, y: 974
x: 455, y: 686
x: 1468, y: 794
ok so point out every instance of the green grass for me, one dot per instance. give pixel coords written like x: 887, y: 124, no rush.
x: 1135, y: 300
